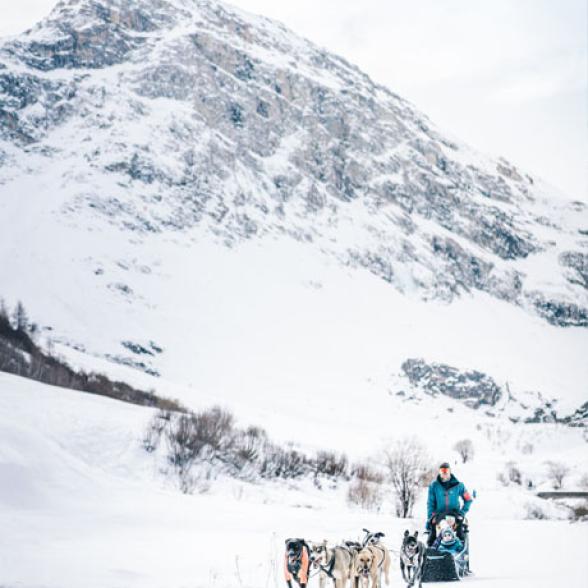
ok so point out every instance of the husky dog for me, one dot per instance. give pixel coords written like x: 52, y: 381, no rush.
x: 372, y: 538
x: 368, y: 565
x: 333, y: 562
x: 296, y: 562
x: 412, y: 554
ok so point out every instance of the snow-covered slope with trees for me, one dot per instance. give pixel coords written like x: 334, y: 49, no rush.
x: 82, y: 504
x: 201, y: 194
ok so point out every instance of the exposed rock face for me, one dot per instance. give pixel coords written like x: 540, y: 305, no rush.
x: 560, y: 313
x: 92, y: 34
x: 179, y: 115
x: 473, y: 387
x: 579, y: 418
x: 578, y: 261
x: 480, y: 391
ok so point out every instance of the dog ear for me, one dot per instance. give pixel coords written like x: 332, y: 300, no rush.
x: 406, y: 533
x: 416, y: 534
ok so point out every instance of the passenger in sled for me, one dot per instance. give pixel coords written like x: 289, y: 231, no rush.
x: 448, y: 542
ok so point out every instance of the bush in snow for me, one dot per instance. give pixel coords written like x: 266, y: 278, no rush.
x: 511, y: 475
x: 407, y: 465
x: 557, y: 472
x: 278, y: 462
x: 528, y: 448
x: 579, y: 513
x: 207, y: 435
x: 367, y: 473
x: 365, y: 494
x: 330, y: 464
x: 465, y: 449
x: 514, y: 473
x: 209, y: 439
x: 248, y: 447
x: 584, y: 482
x: 534, y: 512
x: 154, y: 430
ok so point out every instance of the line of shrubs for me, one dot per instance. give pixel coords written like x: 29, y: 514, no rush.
x: 20, y: 355
x: 197, y: 442
x: 200, y: 446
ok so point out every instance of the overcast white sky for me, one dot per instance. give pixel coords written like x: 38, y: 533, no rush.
x: 507, y: 76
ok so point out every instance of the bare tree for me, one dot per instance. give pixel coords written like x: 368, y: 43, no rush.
x: 465, y: 449
x: 557, y: 472
x: 407, y: 465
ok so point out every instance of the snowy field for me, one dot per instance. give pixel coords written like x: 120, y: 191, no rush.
x: 82, y: 504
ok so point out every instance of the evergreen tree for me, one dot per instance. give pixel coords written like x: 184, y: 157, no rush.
x: 4, y: 319
x: 20, y: 318
x: 3, y: 309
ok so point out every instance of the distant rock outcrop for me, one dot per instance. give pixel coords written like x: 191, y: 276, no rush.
x: 472, y: 387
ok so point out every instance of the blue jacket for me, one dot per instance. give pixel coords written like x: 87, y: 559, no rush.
x: 444, y: 497
x: 454, y: 547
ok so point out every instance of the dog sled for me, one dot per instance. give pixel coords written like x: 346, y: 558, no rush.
x: 443, y: 566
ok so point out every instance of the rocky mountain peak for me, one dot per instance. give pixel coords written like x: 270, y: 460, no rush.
x: 189, y: 115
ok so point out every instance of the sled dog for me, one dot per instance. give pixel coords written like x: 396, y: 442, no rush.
x: 296, y: 562
x: 334, y: 563
x: 368, y: 566
x: 412, y: 554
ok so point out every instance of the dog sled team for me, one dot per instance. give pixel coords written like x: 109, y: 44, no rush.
x: 443, y: 556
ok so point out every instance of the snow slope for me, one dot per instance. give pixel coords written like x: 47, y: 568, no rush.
x: 312, y: 245
x: 82, y: 504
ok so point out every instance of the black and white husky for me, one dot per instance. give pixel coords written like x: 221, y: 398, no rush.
x: 412, y: 555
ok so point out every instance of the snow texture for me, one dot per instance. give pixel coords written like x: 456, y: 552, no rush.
x: 82, y: 504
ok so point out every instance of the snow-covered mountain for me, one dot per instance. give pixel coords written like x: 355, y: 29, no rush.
x: 195, y: 200
x: 198, y: 193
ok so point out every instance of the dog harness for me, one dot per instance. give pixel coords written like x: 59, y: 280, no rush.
x: 381, y: 563
x: 302, y: 575
x: 409, y: 560
x: 328, y: 569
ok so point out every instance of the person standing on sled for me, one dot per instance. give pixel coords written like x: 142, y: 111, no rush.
x: 446, y: 495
